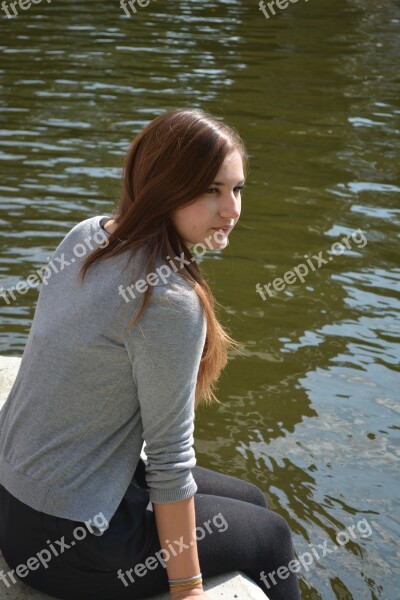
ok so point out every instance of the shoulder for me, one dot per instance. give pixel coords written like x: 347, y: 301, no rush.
x: 83, y: 231
x: 87, y: 225
x: 177, y: 292
x: 177, y: 300
x: 174, y: 312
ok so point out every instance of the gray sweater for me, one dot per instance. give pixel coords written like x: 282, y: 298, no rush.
x: 88, y: 395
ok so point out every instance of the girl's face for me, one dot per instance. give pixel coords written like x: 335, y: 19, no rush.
x: 219, y: 206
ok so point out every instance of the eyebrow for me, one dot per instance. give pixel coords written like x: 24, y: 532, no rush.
x: 222, y: 183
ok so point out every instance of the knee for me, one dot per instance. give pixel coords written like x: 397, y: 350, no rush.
x: 282, y: 538
x: 256, y: 496
x: 281, y: 527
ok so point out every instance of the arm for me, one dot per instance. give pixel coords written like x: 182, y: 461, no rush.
x: 176, y: 523
x: 165, y: 348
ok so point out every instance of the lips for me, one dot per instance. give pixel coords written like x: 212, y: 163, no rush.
x: 225, y: 229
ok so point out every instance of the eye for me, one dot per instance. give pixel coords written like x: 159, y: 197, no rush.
x: 215, y: 190
x: 238, y: 189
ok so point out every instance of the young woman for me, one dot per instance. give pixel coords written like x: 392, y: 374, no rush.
x: 123, y: 347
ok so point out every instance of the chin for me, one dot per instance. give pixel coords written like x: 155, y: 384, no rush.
x: 208, y: 243
x: 214, y: 245
x: 222, y: 245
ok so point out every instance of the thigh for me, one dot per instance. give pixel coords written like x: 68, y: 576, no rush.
x: 213, y: 482
x: 231, y: 535
x: 234, y: 535
x: 64, y: 559
x: 219, y: 484
x: 13, y: 543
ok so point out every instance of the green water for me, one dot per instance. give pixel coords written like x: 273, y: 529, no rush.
x: 311, y: 409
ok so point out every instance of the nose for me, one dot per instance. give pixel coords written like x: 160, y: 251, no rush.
x: 230, y: 207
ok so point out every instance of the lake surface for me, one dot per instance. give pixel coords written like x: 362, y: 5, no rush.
x: 311, y: 410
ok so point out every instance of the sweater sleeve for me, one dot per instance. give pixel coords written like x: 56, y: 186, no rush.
x: 165, y: 347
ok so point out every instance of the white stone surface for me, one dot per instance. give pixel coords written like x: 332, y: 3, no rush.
x: 234, y: 585
x: 9, y: 366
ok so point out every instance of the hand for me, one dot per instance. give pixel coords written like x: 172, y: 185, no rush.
x: 187, y: 594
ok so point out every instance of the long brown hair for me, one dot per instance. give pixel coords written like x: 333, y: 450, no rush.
x: 171, y: 162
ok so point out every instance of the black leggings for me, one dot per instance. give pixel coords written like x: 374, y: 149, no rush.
x: 235, y: 531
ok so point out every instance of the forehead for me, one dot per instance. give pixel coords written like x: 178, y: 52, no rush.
x: 231, y: 168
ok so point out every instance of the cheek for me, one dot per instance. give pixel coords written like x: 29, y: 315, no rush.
x: 197, y: 217
x: 203, y: 212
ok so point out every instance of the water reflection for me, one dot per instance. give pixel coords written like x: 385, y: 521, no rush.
x: 311, y: 409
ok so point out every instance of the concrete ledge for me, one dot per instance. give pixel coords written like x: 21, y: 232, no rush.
x: 234, y: 585
x: 9, y: 366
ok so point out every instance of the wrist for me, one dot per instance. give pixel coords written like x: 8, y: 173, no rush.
x: 198, y: 586
x: 196, y: 581
x: 178, y: 593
